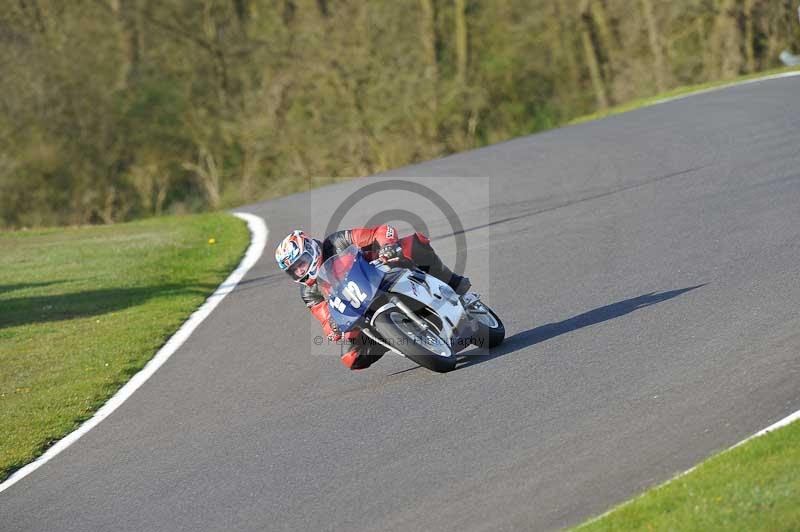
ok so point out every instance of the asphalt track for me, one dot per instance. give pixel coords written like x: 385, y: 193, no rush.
x: 647, y: 268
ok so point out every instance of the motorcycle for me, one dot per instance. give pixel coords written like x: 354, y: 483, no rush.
x: 406, y: 310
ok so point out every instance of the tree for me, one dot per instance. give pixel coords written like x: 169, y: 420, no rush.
x: 117, y: 109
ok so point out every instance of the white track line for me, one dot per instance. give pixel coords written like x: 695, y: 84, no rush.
x: 778, y: 424
x: 728, y: 86
x: 258, y: 239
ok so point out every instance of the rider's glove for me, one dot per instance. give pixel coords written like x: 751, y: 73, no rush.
x: 390, y: 253
x: 336, y: 334
x: 346, y: 338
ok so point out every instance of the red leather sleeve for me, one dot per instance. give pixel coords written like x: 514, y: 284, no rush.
x: 323, y: 315
x: 349, y: 358
x: 364, y: 237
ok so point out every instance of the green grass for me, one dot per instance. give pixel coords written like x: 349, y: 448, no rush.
x: 680, y: 91
x: 83, y: 309
x: 755, y: 486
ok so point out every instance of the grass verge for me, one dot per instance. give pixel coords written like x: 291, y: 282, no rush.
x: 755, y: 486
x: 83, y: 309
x: 680, y: 91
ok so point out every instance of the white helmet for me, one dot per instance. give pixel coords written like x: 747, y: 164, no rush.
x: 300, y: 256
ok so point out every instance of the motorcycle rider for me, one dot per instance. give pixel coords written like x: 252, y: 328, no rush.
x: 301, y: 257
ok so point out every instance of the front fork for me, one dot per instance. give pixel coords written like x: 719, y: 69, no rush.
x: 419, y: 322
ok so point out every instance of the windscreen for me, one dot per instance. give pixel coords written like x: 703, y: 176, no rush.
x: 334, y: 270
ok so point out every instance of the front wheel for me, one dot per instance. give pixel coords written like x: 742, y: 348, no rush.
x: 425, y: 347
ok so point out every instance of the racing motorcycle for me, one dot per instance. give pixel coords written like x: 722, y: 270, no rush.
x: 406, y: 310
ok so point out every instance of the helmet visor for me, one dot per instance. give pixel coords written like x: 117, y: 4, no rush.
x: 299, y: 268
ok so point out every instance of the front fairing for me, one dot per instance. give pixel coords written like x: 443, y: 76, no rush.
x: 423, y: 291
x: 350, y: 284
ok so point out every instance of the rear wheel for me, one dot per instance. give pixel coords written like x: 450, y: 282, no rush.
x: 425, y: 347
x: 491, y: 331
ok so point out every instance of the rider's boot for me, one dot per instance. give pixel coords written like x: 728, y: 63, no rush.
x: 459, y: 283
x: 470, y: 299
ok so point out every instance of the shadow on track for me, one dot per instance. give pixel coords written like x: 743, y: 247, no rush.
x: 551, y: 330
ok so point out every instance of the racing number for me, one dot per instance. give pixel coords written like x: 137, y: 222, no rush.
x: 338, y: 304
x: 353, y: 294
